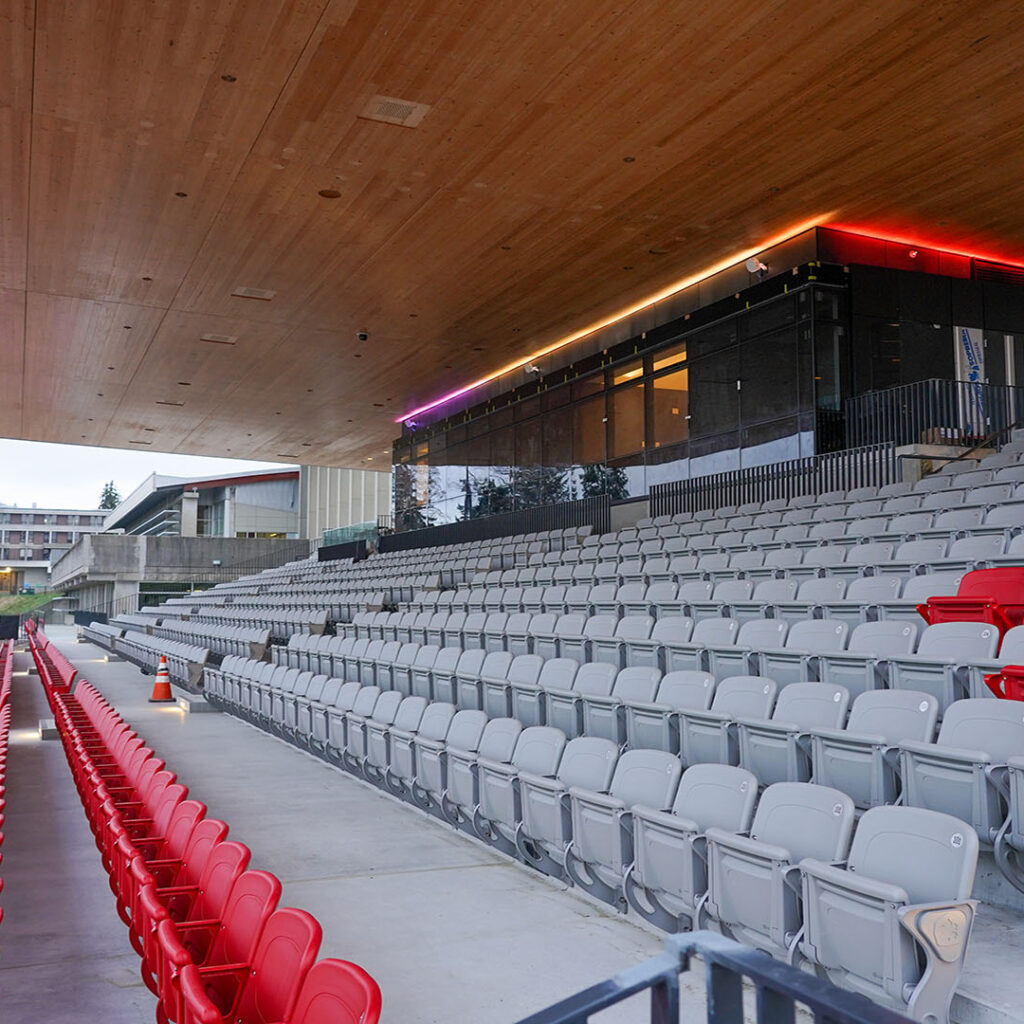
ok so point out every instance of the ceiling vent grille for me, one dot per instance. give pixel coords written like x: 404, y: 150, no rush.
x: 219, y: 339
x: 391, y: 110
x: 254, y: 293
x: 985, y: 270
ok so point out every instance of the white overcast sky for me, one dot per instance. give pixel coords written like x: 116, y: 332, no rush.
x: 72, y: 476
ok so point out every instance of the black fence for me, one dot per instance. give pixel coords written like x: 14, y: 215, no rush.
x: 867, y: 466
x: 953, y: 412
x: 595, y: 512
x: 357, y: 549
x: 778, y: 989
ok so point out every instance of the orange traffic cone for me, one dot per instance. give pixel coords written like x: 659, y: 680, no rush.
x: 162, y: 685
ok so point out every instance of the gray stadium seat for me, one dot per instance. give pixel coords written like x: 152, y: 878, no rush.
x: 861, y: 759
x: 735, y: 659
x: 894, y: 923
x: 649, y: 651
x: 495, y: 743
x: 862, y: 665
x: 779, y: 750
x: 529, y: 701
x: 604, y: 715
x: 545, y: 828
x: 963, y: 772
x: 753, y: 882
x: 710, y: 736
x: 939, y: 666
x: 602, y: 841
x: 861, y: 595
x: 653, y: 724
x: 497, y: 682
x: 537, y: 751
x: 380, y: 731
x: 797, y: 659
x: 668, y: 876
x: 564, y: 705
x: 690, y: 654
x: 470, y: 687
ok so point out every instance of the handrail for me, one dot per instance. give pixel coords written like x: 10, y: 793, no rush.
x: 778, y: 988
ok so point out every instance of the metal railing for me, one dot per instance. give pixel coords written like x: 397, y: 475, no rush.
x: 951, y: 412
x: 778, y: 989
x: 867, y: 466
x: 595, y: 512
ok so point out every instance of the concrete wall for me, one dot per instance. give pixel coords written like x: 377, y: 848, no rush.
x: 331, y: 497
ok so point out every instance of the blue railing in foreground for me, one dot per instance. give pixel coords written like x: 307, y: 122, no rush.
x: 778, y: 989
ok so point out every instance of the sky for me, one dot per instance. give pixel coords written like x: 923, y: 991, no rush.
x: 72, y: 476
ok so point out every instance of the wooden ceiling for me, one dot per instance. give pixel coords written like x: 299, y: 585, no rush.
x: 156, y: 155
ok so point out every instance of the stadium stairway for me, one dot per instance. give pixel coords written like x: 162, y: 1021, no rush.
x: 360, y: 861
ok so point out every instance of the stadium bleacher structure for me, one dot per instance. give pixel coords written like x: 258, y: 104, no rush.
x: 715, y: 718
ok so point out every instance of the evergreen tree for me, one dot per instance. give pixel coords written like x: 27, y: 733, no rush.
x: 110, y: 498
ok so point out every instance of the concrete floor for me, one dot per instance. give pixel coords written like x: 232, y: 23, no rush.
x: 453, y: 932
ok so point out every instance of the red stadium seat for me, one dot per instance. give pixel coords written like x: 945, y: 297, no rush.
x: 262, y: 989
x: 1007, y: 684
x: 995, y: 596
x: 337, y: 992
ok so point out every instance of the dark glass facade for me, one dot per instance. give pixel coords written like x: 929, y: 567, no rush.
x: 755, y: 378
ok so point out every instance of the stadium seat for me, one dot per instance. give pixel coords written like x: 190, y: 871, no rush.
x: 653, y: 724
x: 754, y: 881
x: 894, y: 922
x: 710, y: 736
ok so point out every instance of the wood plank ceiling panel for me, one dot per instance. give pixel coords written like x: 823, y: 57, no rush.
x: 575, y: 158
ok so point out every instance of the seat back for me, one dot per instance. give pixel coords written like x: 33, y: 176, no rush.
x: 635, y: 684
x: 538, y: 750
x: 762, y: 634
x: 980, y: 723
x: 686, y: 689
x: 673, y: 628
x: 496, y: 665
x: 824, y: 588
x: 812, y: 705
x: 588, y: 762
x: 286, y: 951
x: 436, y: 722
x: 558, y: 674
x: 805, y: 819
x: 253, y: 899
x: 466, y: 730
x: 386, y: 707
x: 634, y: 627
x: 224, y: 865
x: 409, y: 714
x: 716, y: 796
x: 647, y: 777
x: 894, y: 715
x: 883, y: 638
x: 733, y: 590
x: 337, y: 992
x: 525, y: 668
x: 594, y: 678
x: 715, y: 632
x: 776, y: 590
x: 1005, y: 585
x: 745, y: 697
x: 499, y: 739
x: 931, y: 856
x: 818, y: 635
x: 965, y: 641
x: 471, y: 662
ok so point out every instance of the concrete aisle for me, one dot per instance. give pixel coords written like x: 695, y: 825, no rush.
x: 64, y: 953
x: 453, y: 932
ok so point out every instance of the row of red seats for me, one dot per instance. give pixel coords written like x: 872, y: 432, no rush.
x: 214, y: 944
x: 6, y: 669
x: 994, y: 596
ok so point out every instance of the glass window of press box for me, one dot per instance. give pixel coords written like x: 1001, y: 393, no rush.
x: 759, y: 380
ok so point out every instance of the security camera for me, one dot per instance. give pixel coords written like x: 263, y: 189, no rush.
x: 755, y: 266
x: 533, y: 368
x: 362, y: 335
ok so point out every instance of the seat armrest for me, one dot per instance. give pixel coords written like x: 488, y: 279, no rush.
x: 704, y: 716
x: 546, y: 782
x: 498, y: 767
x: 856, y: 883
x: 946, y: 753
x: 666, y: 819
x: 842, y: 736
x: 588, y: 796
x: 769, y: 725
x: 743, y: 844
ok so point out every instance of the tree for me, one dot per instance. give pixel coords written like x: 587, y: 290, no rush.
x: 599, y: 479
x: 110, y: 498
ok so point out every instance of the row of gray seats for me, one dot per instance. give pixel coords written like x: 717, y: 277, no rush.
x: 886, y: 750
x: 949, y: 660
x: 681, y: 847
x: 185, y: 662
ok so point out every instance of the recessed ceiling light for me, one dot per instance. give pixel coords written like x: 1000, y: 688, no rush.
x: 185, y: 383
x: 286, y: 455
x: 177, y: 405
x: 507, y: 248
x: 369, y: 458
x: 109, y: 367
x: 629, y: 159
x: 228, y: 78
x: 181, y: 195
x: 219, y: 339
x: 254, y: 293
x: 627, y: 268
x: 147, y: 279
x: 140, y: 442
x: 392, y: 110
x: 99, y: 394
x: 378, y: 405
x: 127, y: 327
x: 307, y: 444
x: 329, y: 193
